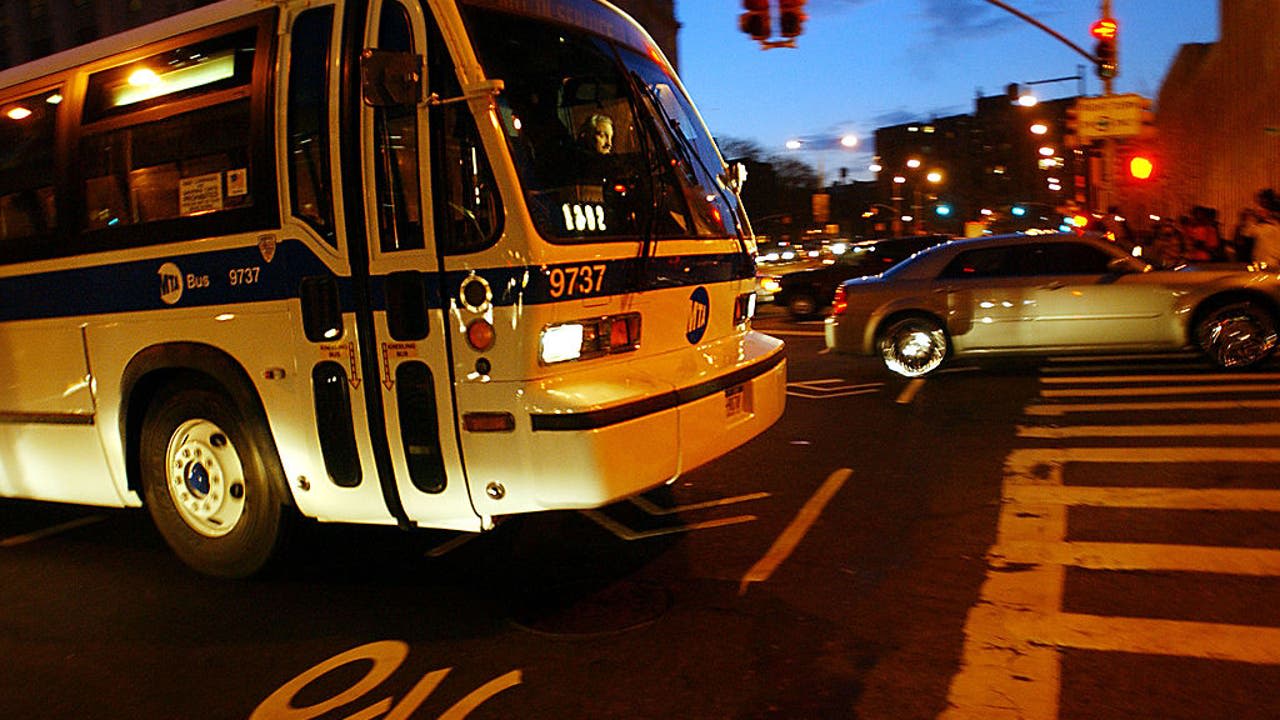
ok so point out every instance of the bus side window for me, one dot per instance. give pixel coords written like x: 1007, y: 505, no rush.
x: 27, y: 208
x: 310, y: 181
x: 167, y: 136
x: 468, y: 209
x: 395, y: 152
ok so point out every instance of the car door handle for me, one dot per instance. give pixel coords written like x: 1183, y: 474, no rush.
x: 1055, y: 285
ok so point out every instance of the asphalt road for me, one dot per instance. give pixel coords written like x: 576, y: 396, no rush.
x: 1043, y: 540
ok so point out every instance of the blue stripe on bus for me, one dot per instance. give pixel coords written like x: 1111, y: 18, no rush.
x: 241, y: 275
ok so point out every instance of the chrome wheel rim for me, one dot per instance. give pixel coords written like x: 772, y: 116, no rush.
x: 205, y: 478
x: 1238, y: 340
x: 913, y: 348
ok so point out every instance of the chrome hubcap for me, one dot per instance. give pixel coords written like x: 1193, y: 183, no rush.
x: 1238, y: 340
x: 913, y: 349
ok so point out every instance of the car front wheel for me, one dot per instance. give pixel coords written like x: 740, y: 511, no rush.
x: 1238, y: 335
x: 802, y: 306
x: 913, y: 346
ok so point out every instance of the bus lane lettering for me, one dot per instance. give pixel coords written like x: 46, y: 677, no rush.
x: 386, y: 656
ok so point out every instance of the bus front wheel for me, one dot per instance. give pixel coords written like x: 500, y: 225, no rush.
x: 207, y: 484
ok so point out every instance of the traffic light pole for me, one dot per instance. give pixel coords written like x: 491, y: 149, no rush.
x: 1102, y: 188
x: 1106, y: 176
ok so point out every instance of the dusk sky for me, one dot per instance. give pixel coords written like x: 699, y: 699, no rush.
x: 863, y: 64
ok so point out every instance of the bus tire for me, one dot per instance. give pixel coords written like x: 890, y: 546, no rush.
x: 207, y: 484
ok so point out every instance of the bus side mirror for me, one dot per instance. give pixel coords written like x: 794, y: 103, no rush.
x: 735, y: 175
x: 389, y: 78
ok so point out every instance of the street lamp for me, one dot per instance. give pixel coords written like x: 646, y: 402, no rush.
x: 820, y: 144
x: 932, y: 177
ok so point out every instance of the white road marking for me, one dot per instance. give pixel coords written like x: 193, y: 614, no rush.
x: 909, y: 392
x: 795, y: 532
x: 1053, y: 410
x: 1197, y: 378
x: 625, y: 533
x: 1158, y: 391
x: 1189, y: 430
x: 1141, y: 556
x: 450, y: 545
x: 1010, y: 666
x: 793, y: 333
x: 828, y: 388
x: 50, y: 531
x: 1144, y: 497
x: 652, y: 509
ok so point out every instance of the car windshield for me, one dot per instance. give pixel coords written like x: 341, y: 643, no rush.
x: 606, y: 144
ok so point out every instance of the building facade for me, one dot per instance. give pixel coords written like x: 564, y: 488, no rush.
x: 1007, y: 166
x: 1218, y: 119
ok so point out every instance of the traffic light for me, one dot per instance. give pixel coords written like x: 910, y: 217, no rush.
x: 1106, y: 31
x: 755, y: 21
x: 791, y: 17
x: 1141, y: 167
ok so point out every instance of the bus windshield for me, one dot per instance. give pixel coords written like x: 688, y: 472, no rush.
x: 606, y: 144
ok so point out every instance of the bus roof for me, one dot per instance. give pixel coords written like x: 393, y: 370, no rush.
x: 135, y: 37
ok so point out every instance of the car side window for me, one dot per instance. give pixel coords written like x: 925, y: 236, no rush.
x: 985, y: 263
x: 1074, y: 259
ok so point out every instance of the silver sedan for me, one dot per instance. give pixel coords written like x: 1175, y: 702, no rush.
x: 1060, y: 294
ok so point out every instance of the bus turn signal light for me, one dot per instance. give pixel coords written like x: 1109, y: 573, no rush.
x: 488, y: 422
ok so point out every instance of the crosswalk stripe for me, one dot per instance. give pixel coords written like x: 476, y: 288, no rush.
x: 1141, y: 556
x: 1179, y: 638
x: 1032, y: 457
x: 1011, y: 664
x: 1156, y: 498
x: 1057, y: 409
x: 1196, y: 378
x: 1157, y: 391
x: 1202, y: 430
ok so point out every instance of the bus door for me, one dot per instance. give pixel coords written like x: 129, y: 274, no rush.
x: 403, y: 331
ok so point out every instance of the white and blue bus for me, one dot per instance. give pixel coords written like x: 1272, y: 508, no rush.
x: 424, y: 263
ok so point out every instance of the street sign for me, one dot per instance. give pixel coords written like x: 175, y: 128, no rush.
x: 1110, y: 116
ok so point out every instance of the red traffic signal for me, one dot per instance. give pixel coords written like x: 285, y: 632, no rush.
x: 1107, y: 32
x: 1141, y: 167
x: 756, y: 21
x: 1104, y: 29
x: 791, y: 17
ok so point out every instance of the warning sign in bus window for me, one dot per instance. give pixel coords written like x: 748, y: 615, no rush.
x: 200, y: 194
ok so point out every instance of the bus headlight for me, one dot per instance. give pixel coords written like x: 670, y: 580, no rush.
x: 589, y: 338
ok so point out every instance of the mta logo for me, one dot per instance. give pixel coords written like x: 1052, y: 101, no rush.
x: 170, y: 283
x: 699, y: 314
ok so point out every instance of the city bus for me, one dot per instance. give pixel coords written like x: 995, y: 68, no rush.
x: 422, y: 263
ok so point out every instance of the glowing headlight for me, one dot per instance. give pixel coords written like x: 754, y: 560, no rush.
x: 561, y: 342
x: 590, y: 338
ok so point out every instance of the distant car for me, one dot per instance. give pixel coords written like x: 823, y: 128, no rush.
x: 1034, y: 295
x: 806, y: 293
x: 767, y: 284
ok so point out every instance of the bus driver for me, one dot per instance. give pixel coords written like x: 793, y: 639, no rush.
x: 597, y: 134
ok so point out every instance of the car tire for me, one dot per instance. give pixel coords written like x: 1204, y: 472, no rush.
x: 912, y: 346
x: 802, y: 306
x: 208, y: 485
x: 1237, y: 335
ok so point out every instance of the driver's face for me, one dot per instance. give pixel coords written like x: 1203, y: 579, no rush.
x: 604, y: 138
